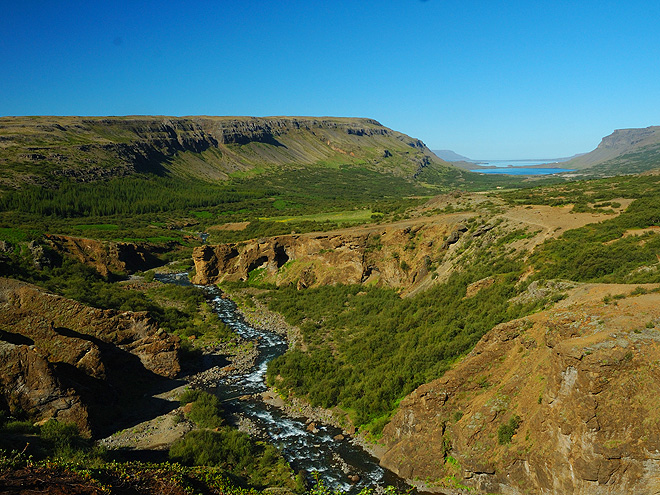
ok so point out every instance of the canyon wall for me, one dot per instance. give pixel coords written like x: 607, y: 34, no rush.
x: 395, y: 255
x: 67, y: 361
x: 563, y: 401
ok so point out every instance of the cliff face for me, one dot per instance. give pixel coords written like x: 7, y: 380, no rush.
x: 29, y: 383
x: 582, y: 380
x: 67, y: 361
x: 106, y: 257
x: 396, y: 255
x: 35, y: 149
x: 623, y: 151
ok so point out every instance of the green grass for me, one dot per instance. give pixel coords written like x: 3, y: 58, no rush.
x: 98, y: 226
x: 14, y: 235
x: 352, y: 216
x: 202, y: 214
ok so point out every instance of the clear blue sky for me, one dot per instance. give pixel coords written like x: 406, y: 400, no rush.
x: 485, y: 78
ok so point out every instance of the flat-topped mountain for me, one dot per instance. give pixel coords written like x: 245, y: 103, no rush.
x: 625, y: 151
x: 90, y: 148
x: 451, y: 156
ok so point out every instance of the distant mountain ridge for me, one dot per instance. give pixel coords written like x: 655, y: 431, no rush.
x: 625, y: 151
x: 45, y: 149
x: 451, y: 156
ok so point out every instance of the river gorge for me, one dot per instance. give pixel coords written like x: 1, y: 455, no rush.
x: 314, y: 447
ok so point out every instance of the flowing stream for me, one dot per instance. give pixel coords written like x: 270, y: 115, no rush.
x: 310, y: 451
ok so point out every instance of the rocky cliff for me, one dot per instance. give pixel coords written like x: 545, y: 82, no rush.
x: 394, y: 255
x: 563, y: 401
x: 106, y: 257
x: 625, y: 151
x: 43, y: 149
x: 64, y: 360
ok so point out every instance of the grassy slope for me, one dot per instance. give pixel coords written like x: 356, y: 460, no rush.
x: 367, y: 348
x: 203, y: 147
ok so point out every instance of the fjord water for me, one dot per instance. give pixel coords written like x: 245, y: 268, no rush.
x: 520, y: 167
x: 305, y: 450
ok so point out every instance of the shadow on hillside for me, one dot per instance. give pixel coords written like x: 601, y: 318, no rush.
x: 119, y: 392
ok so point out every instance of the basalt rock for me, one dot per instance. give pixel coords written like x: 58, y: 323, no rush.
x: 29, y: 383
x: 393, y: 256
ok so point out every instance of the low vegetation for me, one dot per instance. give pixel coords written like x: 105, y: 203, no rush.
x: 48, y: 440
x: 506, y: 430
x: 256, y: 463
x: 367, y: 348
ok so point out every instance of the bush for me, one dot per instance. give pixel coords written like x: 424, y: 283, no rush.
x: 189, y: 395
x: 506, y: 431
x: 64, y: 438
x: 200, y: 448
x: 260, y: 465
x: 205, y: 410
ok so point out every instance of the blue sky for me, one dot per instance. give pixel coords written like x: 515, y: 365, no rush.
x: 485, y: 78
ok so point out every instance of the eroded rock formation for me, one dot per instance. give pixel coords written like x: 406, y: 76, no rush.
x: 65, y: 360
x: 583, y: 381
x: 106, y: 257
x: 396, y: 255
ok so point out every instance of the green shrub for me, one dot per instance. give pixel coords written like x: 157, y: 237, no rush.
x: 259, y: 464
x: 65, y: 439
x: 17, y: 427
x: 205, y: 410
x: 189, y: 395
x: 506, y: 431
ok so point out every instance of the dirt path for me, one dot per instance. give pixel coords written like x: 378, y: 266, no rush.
x: 552, y: 220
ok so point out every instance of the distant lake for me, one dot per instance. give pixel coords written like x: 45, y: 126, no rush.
x: 520, y: 167
x: 522, y: 171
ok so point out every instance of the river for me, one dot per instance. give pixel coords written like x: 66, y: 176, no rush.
x: 309, y: 451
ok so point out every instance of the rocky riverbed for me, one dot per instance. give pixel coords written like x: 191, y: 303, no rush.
x: 313, y: 439
x: 219, y: 361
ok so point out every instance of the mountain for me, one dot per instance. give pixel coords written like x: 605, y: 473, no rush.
x: 43, y: 149
x: 450, y: 156
x: 625, y: 151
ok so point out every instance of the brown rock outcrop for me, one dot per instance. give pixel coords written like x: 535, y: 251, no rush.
x: 582, y: 379
x: 395, y: 255
x: 28, y: 383
x: 343, y: 253
x: 106, y: 257
x: 66, y: 360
